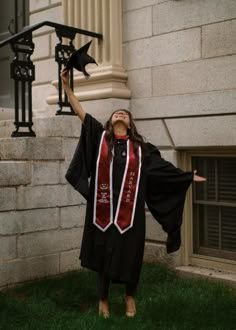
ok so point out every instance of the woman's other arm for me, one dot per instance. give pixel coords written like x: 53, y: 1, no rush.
x: 71, y: 96
x: 198, y: 178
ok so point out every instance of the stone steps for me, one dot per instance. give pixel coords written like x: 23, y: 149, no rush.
x: 39, y: 148
x: 56, y: 126
x: 41, y: 215
x: 15, y: 173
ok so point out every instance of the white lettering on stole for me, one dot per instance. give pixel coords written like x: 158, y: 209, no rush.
x: 130, y: 184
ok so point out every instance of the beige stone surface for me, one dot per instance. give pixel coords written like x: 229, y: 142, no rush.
x: 37, y: 4
x: 63, y: 169
x: 51, y: 126
x: 53, y: 2
x: 31, y: 148
x: 46, y: 71
x: 69, y: 261
x: 154, y: 132
x: 203, y: 132
x: 15, y: 149
x: 6, y: 113
x: 176, y: 47
x: 44, y: 148
x: 14, y: 173
x: 48, y: 242
x: 140, y: 83
x: 7, y: 247
x: 47, y: 196
x: 155, y: 252
x: 18, y: 222
x: 165, y: 49
x: 45, y: 173
x: 42, y: 47
x: 72, y: 216
x: 228, y: 278
x: 219, y: 39
x: 170, y: 156
x: 154, y: 231
x: 7, y: 199
x: 136, y: 53
x: 58, y: 126
x: 177, y: 15
x: 70, y: 145
x: 137, y: 24
x: 53, y: 41
x: 195, y: 77
x: 185, y: 105
x: 53, y: 14
x: 103, y: 108
x: 17, y: 271
x: 41, y: 92
x: 6, y: 128
x: 129, y: 5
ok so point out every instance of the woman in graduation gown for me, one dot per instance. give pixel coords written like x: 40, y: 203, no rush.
x: 117, y: 172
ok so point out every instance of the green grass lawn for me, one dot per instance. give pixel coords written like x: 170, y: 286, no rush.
x: 164, y: 301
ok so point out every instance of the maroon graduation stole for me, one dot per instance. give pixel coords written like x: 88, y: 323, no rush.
x: 103, y: 206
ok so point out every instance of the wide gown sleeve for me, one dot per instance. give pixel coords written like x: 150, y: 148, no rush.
x: 80, y: 168
x: 165, y: 195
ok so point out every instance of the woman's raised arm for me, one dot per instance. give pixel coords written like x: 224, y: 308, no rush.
x: 71, y: 96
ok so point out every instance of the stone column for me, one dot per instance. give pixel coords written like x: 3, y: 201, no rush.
x: 108, y: 79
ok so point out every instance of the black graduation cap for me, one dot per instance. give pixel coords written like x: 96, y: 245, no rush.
x: 79, y: 59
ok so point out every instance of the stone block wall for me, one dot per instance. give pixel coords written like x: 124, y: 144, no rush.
x: 41, y: 215
x: 181, y: 58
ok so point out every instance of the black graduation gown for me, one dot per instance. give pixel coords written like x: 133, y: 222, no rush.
x: 162, y: 186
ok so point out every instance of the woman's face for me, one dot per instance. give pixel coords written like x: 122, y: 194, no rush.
x: 120, y: 116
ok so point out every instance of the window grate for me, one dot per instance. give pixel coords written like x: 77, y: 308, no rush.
x: 214, y: 207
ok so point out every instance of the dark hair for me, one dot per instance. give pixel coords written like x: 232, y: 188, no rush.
x: 133, y: 134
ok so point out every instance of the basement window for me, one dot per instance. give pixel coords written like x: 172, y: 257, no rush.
x: 214, y: 207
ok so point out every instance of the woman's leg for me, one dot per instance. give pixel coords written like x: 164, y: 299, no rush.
x: 130, y: 289
x: 103, y: 283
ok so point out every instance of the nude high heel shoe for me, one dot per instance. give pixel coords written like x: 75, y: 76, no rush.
x: 103, y: 309
x: 130, y: 306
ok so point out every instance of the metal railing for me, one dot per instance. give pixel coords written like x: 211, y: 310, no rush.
x: 23, y: 70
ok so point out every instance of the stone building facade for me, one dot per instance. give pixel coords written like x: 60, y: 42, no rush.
x: 172, y: 63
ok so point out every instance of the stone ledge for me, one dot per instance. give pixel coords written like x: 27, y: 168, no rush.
x: 6, y: 127
x: 207, y: 273
x: 69, y: 261
x: 7, y: 199
x: 26, y: 221
x: 206, y: 103
x: 48, y: 126
x: 155, y: 252
x: 47, y: 196
x: 154, y: 131
x: 215, y: 131
x: 15, y: 173
x: 57, y: 126
x: 21, y: 270
x: 48, y: 242
x: 32, y: 148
